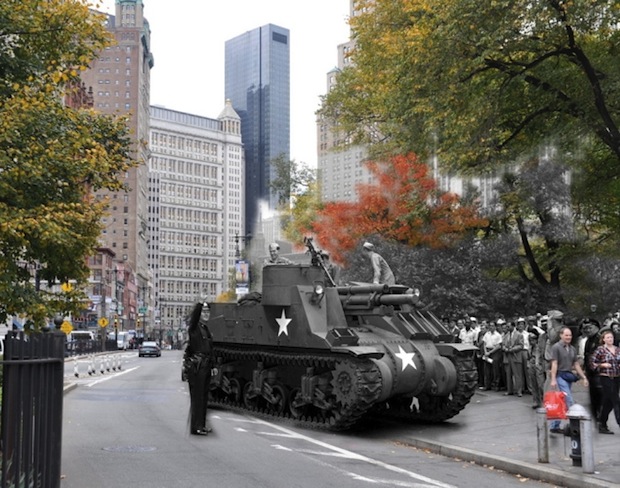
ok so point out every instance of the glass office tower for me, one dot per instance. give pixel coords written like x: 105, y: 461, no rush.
x: 258, y: 84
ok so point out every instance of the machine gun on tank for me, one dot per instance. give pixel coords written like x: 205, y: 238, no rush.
x: 317, y: 259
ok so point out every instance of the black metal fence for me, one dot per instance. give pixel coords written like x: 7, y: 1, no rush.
x: 89, y: 346
x: 32, y: 389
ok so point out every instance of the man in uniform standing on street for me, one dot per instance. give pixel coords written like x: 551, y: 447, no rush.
x: 382, y: 271
x: 197, y: 363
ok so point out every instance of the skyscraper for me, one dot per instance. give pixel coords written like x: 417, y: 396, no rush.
x: 120, y: 82
x: 257, y: 81
x: 195, y: 209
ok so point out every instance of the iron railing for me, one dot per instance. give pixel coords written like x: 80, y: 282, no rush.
x: 32, y: 390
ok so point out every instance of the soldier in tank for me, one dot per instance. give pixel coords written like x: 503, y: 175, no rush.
x: 274, y: 255
x: 382, y: 273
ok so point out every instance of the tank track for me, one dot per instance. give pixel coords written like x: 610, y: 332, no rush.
x: 354, y: 388
x: 431, y: 409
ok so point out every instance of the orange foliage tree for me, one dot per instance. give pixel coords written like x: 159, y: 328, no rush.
x: 404, y: 205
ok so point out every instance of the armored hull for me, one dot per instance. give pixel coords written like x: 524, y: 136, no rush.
x: 327, y: 356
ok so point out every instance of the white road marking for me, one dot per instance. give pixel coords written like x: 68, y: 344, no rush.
x: 358, y: 457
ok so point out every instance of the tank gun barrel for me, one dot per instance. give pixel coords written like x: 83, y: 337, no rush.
x: 360, y: 289
x: 376, y: 299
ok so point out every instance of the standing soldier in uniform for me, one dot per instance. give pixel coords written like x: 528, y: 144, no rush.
x: 197, y: 363
x: 382, y: 271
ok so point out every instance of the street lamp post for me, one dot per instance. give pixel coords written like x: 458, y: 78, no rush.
x: 246, y: 238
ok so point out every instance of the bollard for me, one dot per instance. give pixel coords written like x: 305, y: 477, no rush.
x: 580, y: 427
x: 542, y: 434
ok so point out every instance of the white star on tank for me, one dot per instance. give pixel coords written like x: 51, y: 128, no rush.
x: 283, y: 323
x: 406, y: 358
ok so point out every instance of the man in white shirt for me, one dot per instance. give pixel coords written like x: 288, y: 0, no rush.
x: 491, y: 348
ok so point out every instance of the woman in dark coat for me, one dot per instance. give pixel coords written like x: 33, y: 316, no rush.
x: 198, y: 362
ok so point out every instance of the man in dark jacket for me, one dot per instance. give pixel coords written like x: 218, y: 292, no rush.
x: 198, y: 362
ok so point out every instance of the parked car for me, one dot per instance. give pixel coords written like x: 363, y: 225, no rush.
x: 149, y: 348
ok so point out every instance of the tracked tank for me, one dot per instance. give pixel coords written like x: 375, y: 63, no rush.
x: 326, y: 355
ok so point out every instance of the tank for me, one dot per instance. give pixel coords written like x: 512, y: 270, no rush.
x: 327, y: 356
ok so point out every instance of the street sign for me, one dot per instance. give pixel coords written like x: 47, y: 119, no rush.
x: 66, y: 327
x: 142, y: 310
x: 103, y: 322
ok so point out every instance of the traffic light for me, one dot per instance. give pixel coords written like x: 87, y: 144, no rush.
x: 116, y: 321
x: 138, y: 322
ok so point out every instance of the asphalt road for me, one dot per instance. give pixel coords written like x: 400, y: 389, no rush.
x: 128, y: 428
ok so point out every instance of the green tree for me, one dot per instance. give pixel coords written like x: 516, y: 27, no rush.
x: 52, y: 156
x: 296, y: 185
x: 482, y: 83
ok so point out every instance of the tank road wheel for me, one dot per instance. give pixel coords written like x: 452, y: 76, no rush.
x: 297, y: 405
x: 236, y: 391
x: 343, y: 383
x: 250, y: 398
x: 279, y: 397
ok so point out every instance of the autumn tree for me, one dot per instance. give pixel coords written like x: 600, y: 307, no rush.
x: 52, y: 157
x: 482, y: 83
x: 403, y: 205
x: 484, y: 86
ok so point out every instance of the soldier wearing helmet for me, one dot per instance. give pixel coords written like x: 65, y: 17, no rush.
x: 274, y: 255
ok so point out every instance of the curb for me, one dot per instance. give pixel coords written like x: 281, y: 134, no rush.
x: 68, y: 387
x: 542, y: 472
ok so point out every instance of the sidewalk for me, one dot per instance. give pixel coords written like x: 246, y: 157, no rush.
x: 500, y: 431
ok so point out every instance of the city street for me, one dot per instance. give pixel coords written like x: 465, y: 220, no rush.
x: 128, y: 428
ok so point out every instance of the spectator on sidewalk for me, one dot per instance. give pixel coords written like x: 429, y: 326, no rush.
x: 563, y: 361
x: 491, y: 349
x: 587, y: 343
x: 606, y: 363
x: 537, y: 369
x: 512, y: 345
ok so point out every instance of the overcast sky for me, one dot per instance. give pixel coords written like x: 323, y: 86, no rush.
x: 187, y: 41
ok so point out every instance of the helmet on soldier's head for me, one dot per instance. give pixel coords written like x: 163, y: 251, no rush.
x: 274, y: 246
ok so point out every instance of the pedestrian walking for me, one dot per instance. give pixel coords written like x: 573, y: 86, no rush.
x: 197, y: 365
x: 563, y: 361
x: 382, y: 273
x: 606, y: 363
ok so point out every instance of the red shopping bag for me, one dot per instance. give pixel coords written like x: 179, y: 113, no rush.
x: 555, y: 405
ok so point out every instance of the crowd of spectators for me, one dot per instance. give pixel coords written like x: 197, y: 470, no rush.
x: 514, y: 355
